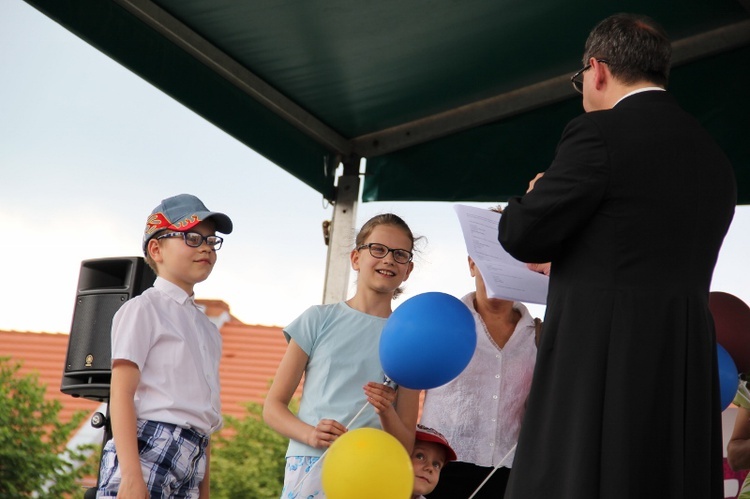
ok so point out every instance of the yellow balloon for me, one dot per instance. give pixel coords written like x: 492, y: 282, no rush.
x: 367, y: 463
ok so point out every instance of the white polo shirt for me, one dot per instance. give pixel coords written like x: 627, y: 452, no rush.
x: 178, y: 350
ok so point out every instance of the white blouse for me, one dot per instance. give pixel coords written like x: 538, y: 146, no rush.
x: 480, y: 411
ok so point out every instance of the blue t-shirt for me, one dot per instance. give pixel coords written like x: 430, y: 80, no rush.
x: 342, y: 345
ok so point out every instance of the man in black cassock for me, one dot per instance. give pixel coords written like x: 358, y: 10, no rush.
x: 632, y: 212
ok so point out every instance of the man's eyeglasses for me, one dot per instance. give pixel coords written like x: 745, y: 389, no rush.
x: 378, y: 250
x: 577, y: 79
x: 194, y: 239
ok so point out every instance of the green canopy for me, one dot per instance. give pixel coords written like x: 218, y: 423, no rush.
x: 447, y: 100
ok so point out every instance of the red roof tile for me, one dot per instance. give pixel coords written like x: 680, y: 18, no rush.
x: 251, y: 356
x: 44, y: 354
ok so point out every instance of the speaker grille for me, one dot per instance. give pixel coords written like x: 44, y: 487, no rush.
x: 92, y: 322
x: 104, y: 284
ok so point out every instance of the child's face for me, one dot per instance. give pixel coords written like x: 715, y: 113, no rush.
x: 382, y: 275
x: 181, y: 264
x: 428, y: 459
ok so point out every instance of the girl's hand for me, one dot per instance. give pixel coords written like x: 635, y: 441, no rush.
x: 380, y: 396
x: 325, y: 433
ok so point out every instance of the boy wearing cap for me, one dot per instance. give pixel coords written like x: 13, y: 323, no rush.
x: 431, y: 452
x: 164, y: 392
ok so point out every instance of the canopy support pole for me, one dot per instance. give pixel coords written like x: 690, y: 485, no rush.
x: 342, y: 233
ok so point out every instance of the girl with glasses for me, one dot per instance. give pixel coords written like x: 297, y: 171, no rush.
x: 335, y: 347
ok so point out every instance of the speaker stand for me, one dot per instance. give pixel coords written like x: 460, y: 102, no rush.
x: 99, y: 420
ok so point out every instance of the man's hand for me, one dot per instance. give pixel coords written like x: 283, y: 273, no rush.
x: 541, y: 268
x: 533, y: 181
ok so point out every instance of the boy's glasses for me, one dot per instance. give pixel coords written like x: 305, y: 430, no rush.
x: 378, y: 250
x: 194, y: 239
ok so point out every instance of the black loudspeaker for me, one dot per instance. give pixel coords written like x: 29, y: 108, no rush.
x: 104, y: 284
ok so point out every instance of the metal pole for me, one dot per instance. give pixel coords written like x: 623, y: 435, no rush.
x: 342, y: 234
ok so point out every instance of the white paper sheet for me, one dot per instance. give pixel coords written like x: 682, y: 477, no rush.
x: 504, y: 276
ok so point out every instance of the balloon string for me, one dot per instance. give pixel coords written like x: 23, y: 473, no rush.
x: 299, y: 484
x: 493, y: 471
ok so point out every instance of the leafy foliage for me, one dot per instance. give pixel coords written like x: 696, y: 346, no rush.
x: 33, y: 459
x: 247, y: 458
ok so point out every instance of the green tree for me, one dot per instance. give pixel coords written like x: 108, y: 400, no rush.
x: 247, y: 457
x: 33, y: 458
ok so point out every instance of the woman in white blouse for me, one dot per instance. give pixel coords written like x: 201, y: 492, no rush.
x: 480, y: 411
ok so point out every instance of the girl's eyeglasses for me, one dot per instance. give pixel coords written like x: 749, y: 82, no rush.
x: 378, y: 250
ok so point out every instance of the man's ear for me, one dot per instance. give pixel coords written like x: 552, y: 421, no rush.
x: 602, y: 76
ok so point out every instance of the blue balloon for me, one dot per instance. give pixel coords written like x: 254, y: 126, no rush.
x: 728, y: 376
x: 427, y: 341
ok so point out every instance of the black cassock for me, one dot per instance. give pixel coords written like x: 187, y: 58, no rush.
x: 625, y: 401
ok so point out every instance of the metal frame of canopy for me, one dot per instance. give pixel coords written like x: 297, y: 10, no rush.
x: 328, y: 142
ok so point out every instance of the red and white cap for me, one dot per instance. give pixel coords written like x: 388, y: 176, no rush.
x: 427, y: 434
x: 180, y: 213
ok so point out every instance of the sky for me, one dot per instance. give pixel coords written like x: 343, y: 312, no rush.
x: 88, y: 149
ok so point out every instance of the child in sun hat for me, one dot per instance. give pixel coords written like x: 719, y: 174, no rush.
x: 431, y: 453
x: 164, y: 392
